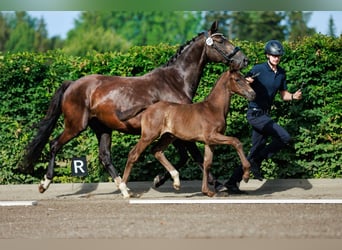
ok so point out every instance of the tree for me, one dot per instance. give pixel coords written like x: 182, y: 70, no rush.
x: 331, y: 28
x: 249, y: 25
x: 297, y: 25
x: 21, y: 35
x: 258, y: 25
x: 129, y: 28
x: 25, y: 33
x: 41, y: 41
x: 4, y: 32
x: 223, y: 18
x: 96, y: 39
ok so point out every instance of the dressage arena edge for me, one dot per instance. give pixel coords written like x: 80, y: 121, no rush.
x: 237, y: 201
x: 17, y: 203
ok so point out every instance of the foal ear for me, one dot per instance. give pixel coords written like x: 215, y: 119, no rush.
x: 214, y: 27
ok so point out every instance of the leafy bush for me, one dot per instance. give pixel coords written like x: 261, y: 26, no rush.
x: 29, y: 80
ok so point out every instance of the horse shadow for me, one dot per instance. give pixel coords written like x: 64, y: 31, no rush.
x: 190, y: 189
x: 269, y: 187
x: 85, y: 190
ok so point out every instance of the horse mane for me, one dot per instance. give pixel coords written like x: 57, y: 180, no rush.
x: 181, y: 49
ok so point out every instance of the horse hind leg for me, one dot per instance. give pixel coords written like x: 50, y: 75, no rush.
x: 69, y: 133
x: 55, y: 146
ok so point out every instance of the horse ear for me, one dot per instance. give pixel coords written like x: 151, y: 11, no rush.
x: 214, y: 27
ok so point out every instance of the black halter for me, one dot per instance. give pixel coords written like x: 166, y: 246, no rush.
x: 219, y: 50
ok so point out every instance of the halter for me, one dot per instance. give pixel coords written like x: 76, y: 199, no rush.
x: 210, y: 42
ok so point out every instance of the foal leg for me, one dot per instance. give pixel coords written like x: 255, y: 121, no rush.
x: 158, y: 152
x: 235, y: 142
x: 208, y: 159
x: 183, y: 154
x: 133, y: 156
x: 183, y: 147
x: 197, y: 156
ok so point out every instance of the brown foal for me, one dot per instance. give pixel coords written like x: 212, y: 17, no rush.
x: 203, y: 121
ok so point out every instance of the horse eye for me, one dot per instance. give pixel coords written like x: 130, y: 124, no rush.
x: 220, y: 40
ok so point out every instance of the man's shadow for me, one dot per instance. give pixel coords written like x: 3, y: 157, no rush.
x: 280, y: 185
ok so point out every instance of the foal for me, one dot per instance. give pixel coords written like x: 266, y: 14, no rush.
x: 203, y: 121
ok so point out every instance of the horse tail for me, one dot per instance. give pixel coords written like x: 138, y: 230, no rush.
x: 45, y: 127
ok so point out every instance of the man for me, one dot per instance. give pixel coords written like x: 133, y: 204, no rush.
x: 268, y: 78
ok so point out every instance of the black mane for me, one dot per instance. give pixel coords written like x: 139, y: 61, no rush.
x: 181, y: 49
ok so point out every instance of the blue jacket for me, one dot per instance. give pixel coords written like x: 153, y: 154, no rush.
x: 266, y: 85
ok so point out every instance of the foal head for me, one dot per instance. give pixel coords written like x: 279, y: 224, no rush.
x: 219, y: 48
x: 238, y: 84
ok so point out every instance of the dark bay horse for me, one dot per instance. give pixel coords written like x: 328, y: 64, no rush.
x: 97, y: 100
x: 203, y: 121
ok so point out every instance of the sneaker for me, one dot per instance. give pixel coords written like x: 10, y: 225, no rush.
x: 255, y: 169
x: 234, y: 189
x: 219, y: 187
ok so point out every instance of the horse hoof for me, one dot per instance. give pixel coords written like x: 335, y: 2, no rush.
x: 176, y: 187
x: 41, y: 188
x: 158, y: 181
x: 126, y: 196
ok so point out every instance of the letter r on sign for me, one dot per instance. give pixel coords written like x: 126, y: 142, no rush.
x: 79, y: 166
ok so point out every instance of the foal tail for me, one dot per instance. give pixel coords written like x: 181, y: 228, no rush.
x: 45, y: 127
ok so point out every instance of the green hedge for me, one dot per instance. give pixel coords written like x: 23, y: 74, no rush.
x: 28, y: 81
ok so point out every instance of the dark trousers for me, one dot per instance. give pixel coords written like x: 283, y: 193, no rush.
x: 263, y: 127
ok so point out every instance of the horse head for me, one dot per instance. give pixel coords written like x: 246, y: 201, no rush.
x: 239, y: 85
x: 220, y: 49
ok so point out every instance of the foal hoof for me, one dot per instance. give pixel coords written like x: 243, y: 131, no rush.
x: 41, y: 188
x: 209, y: 193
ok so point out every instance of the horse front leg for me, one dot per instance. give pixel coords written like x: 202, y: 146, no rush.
x: 208, y: 159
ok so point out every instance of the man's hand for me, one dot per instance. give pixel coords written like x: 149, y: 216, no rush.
x: 297, y: 95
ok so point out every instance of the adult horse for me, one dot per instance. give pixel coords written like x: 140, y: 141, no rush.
x: 95, y: 100
x: 203, y: 121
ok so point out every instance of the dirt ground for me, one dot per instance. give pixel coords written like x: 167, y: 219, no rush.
x: 98, y: 211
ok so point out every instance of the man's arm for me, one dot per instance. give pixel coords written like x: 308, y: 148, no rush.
x: 287, y: 96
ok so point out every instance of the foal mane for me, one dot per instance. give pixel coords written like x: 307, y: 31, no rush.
x: 181, y: 49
